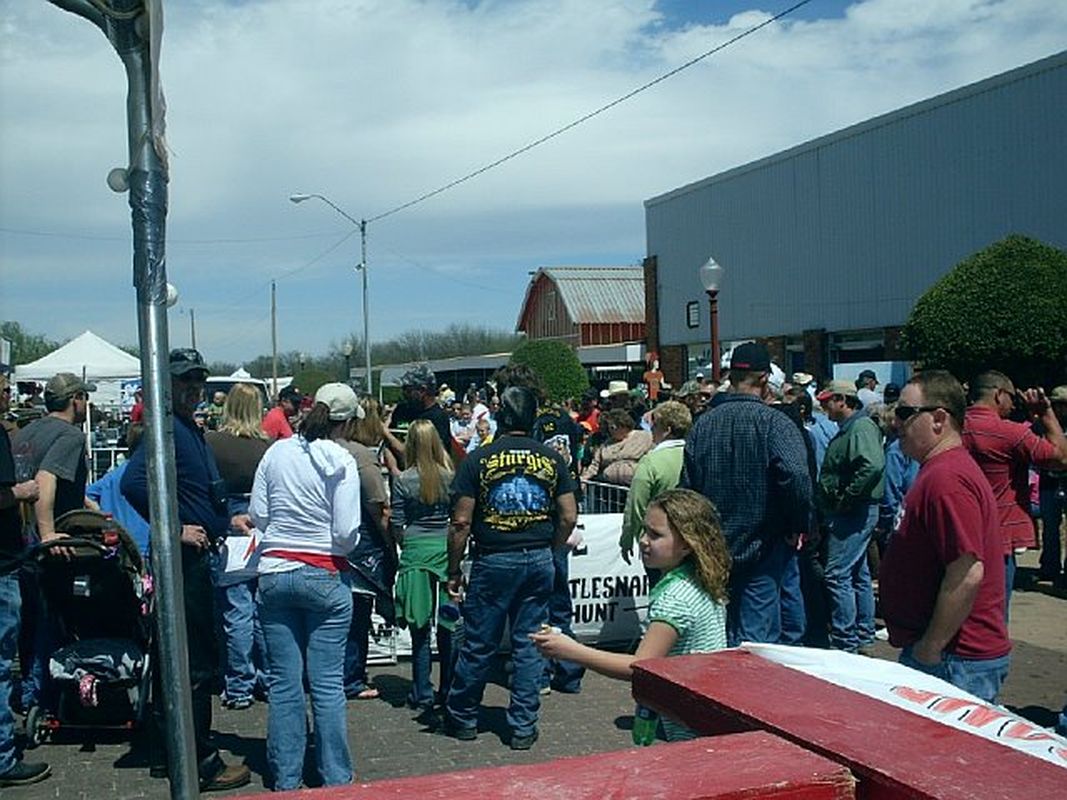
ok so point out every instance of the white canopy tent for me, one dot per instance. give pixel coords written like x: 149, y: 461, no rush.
x: 87, y: 355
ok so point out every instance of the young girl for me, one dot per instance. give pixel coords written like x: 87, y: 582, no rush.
x: 687, y: 614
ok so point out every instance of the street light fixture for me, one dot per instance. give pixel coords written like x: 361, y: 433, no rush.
x: 361, y: 268
x: 346, y: 350
x: 711, y: 278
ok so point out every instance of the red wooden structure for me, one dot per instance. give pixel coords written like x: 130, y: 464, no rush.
x: 892, y: 752
x: 747, y: 765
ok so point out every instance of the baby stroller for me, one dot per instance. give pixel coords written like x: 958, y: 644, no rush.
x: 100, y: 604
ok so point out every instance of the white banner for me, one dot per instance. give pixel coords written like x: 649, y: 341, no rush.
x: 920, y: 694
x: 610, y: 596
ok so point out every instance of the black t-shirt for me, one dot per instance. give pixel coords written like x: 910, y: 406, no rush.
x: 54, y: 445
x: 515, y: 482
x: 556, y: 429
x: 10, y: 521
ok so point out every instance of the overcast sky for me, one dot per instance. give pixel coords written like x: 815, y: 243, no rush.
x: 374, y: 102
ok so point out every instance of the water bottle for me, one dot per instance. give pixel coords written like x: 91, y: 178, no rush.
x: 645, y: 723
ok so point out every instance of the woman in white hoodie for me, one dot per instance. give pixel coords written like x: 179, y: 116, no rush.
x: 305, y: 501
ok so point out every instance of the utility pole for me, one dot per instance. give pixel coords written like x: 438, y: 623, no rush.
x: 192, y: 327
x: 274, y: 338
x: 134, y: 29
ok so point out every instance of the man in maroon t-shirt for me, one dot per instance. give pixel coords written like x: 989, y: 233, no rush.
x: 942, y: 577
x: 1005, y: 451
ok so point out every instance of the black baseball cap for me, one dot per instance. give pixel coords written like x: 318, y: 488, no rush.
x: 751, y: 357
x: 185, y: 360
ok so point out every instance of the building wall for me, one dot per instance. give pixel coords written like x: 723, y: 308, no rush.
x: 845, y: 232
x: 548, y: 317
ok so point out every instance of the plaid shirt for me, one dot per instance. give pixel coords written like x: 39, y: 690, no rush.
x: 749, y: 459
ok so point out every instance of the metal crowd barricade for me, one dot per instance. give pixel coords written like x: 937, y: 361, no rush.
x: 599, y: 497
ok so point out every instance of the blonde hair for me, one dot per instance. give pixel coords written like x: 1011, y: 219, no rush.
x: 242, y: 414
x: 693, y: 518
x: 672, y: 417
x: 423, y: 451
x: 368, y: 431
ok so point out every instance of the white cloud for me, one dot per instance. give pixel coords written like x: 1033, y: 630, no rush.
x: 374, y: 102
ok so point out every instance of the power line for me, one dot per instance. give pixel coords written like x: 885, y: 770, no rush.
x: 170, y: 241
x: 585, y: 118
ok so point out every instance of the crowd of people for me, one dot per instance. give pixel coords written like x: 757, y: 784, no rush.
x: 763, y: 507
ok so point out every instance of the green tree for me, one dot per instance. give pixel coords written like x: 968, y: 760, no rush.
x: 309, y: 381
x: 26, y: 346
x: 1004, y: 308
x: 557, y: 364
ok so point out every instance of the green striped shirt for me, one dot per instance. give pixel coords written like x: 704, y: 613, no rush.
x: 679, y: 601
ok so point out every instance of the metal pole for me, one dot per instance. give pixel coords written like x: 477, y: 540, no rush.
x: 366, y: 303
x: 192, y: 327
x: 129, y: 32
x: 716, y: 360
x: 274, y: 339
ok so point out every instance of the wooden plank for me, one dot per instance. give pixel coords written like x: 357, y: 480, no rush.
x: 747, y: 765
x: 892, y: 752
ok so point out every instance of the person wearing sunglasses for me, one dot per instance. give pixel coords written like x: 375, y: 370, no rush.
x: 941, y: 582
x: 1005, y: 450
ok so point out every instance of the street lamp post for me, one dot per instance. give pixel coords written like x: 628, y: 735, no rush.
x: 361, y: 268
x: 346, y: 349
x: 711, y: 278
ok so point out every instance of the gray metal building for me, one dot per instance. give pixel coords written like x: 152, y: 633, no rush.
x: 827, y: 245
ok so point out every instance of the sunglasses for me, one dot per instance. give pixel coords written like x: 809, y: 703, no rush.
x: 904, y: 413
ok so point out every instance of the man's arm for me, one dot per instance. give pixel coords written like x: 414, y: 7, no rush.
x: 1041, y: 411
x: 868, y: 465
x: 10, y: 495
x: 44, y: 508
x: 955, y: 598
x: 567, y: 513
x: 458, y: 533
x: 789, y: 476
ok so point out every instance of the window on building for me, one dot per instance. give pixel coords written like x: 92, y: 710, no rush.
x: 550, y: 305
x: 692, y: 314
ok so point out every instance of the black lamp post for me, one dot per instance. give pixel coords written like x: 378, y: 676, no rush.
x: 710, y: 279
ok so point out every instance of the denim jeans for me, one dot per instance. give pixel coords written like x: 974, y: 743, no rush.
x: 565, y: 676
x: 980, y: 677
x: 848, y: 578
x: 794, y: 619
x: 754, y: 613
x: 10, y: 604
x: 1053, y: 509
x: 243, y: 639
x: 509, y: 587
x: 199, y: 600
x: 357, y: 644
x: 37, y: 639
x: 305, y: 614
x: 422, y: 694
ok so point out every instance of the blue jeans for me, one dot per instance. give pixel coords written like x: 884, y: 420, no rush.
x: 980, y: 677
x: 509, y: 587
x: 421, y: 694
x: 10, y: 605
x: 754, y: 613
x: 357, y: 644
x: 848, y: 578
x: 565, y: 676
x: 305, y: 615
x: 794, y: 619
x: 243, y: 639
x: 1053, y: 509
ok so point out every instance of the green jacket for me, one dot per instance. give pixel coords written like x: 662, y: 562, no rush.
x: 657, y: 471
x: 423, y: 569
x: 853, y: 470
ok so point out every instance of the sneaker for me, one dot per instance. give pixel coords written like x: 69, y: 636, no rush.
x: 523, y: 742
x: 462, y: 733
x: 545, y: 691
x: 232, y: 777
x: 23, y: 774
x: 238, y: 704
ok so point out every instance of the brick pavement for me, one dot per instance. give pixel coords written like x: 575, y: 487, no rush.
x: 387, y: 742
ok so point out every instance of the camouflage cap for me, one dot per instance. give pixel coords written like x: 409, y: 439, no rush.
x: 688, y: 389
x: 420, y: 376
x: 64, y: 385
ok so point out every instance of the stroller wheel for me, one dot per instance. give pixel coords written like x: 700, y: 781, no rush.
x: 36, y: 727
